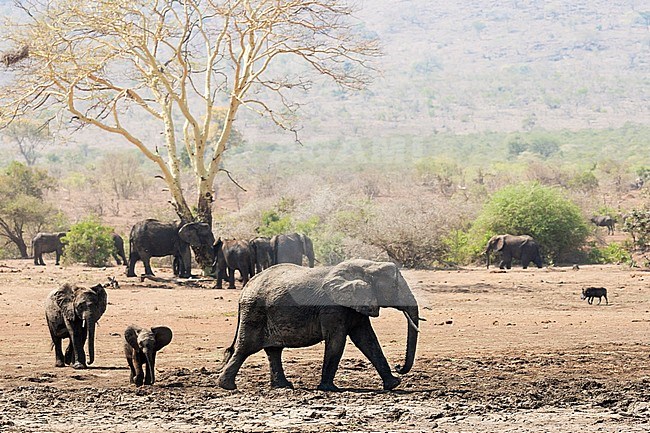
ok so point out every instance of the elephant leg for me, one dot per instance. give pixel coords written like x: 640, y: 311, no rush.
x: 36, y: 262
x: 58, y: 352
x: 69, y: 353
x: 131, y: 370
x: 77, y: 338
x: 231, y: 278
x: 147, y: 265
x: 278, y: 379
x: 334, y: 347
x: 117, y: 259
x: 227, y: 377
x: 138, y: 373
x: 59, y: 252
x: 364, y: 337
x: 525, y: 260
x: 133, y: 258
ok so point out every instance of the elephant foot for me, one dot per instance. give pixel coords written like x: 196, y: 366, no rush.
x: 391, y: 383
x: 59, y: 363
x: 78, y: 366
x: 131, y: 274
x: 327, y: 387
x: 225, y: 383
x: 282, y: 384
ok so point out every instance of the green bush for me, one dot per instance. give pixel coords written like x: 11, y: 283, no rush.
x: 531, y: 209
x: 613, y: 253
x: 90, y: 242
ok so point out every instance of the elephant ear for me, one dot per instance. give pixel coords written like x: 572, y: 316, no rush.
x: 346, y: 285
x: 131, y: 336
x: 100, y: 291
x: 163, y: 336
x: 196, y: 234
x: 501, y: 241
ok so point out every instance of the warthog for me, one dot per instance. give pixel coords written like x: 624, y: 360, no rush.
x: 594, y: 292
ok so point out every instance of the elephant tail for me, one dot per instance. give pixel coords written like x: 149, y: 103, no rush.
x: 227, y: 354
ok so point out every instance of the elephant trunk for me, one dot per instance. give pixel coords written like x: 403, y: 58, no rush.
x: 90, y: 323
x: 413, y: 319
x: 150, y: 365
x: 487, y: 257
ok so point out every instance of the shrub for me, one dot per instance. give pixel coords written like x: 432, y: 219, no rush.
x: 90, y: 242
x: 531, y: 209
x: 637, y: 223
x: 612, y: 253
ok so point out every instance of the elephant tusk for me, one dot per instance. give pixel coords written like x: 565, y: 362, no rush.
x: 408, y: 318
x: 83, y: 323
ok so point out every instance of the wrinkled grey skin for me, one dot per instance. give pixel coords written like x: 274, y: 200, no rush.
x: 152, y: 238
x: 118, y: 250
x: 605, y: 221
x: 47, y: 243
x: 294, y: 306
x: 522, y: 248
x: 291, y: 247
x: 233, y: 255
x: 262, y: 253
x: 72, y: 312
x: 140, y: 348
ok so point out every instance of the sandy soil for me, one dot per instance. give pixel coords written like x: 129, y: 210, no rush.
x: 516, y: 351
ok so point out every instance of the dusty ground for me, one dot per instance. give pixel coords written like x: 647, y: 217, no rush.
x: 516, y: 351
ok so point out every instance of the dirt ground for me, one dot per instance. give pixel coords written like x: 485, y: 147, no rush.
x: 516, y: 351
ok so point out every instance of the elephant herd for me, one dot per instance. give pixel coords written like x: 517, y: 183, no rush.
x: 282, y: 304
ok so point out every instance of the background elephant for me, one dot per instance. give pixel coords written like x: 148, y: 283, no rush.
x: 140, y: 348
x: 290, y: 249
x: 72, y: 312
x: 233, y: 255
x: 293, y: 306
x: 152, y: 238
x: 605, y: 221
x: 118, y: 249
x: 47, y: 243
x: 262, y: 253
x: 522, y: 248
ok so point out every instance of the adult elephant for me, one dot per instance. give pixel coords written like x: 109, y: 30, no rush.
x: 522, y: 248
x: 72, y: 312
x: 233, y: 255
x: 293, y: 306
x: 47, y: 243
x: 118, y: 250
x: 262, y: 253
x: 152, y: 238
x: 290, y: 248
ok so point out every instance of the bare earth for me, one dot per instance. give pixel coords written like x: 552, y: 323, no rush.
x: 516, y: 351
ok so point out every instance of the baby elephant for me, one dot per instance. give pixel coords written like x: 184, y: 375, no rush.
x: 594, y: 292
x: 140, y: 349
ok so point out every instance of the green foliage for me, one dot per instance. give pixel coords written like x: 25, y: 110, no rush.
x: 21, y: 203
x: 457, y: 247
x: 531, y: 209
x: 637, y: 223
x: 273, y: 224
x: 585, y: 181
x: 612, y: 253
x: 90, y: 242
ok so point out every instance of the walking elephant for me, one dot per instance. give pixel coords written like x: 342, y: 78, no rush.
x: 47, y: 243
x: 294, y: 306
x: 262, y: 253
x: 152, y: 238
x: 605, y: 221
x: 72, y: 312
x: 522, y: 248
x: 231, y: 255
x: 140, y: 348
x: 118, y: 250
x: 291, y: 247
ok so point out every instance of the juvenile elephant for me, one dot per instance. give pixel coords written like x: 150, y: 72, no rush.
x: 294, y: 306
x: 522, y: 248
x: 233, y: 255
x: 47, y: 243
x: 152, y: 238
x: 118, y: 250
x: 291, y: 247
x: 262, y: 253
x: 72, y: 312
x: 140, y: 348
x: 605, y: 221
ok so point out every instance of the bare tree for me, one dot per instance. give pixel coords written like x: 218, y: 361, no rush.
x: 30, y: 136
x: 115, y: 64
